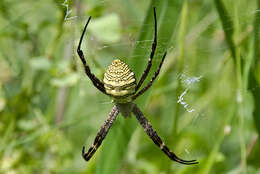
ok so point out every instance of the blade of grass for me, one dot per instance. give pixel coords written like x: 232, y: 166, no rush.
x: 115, y: 145
x: 213, y: 154
x: 181, y: 43
x: 230, y: 29
x: 254, y: 83
x: 227, y: 25
x: 240, y: 96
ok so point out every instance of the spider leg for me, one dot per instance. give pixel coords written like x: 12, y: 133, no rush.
x: 152, y: 80
x: 146, y: 71
x: 101, y: 134
x: 156, y: 139
x: 97, y: 83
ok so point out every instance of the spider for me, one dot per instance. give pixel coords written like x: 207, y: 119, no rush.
x: 120, y: 84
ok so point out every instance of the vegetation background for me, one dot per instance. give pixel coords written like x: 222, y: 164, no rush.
x: 204, y: 105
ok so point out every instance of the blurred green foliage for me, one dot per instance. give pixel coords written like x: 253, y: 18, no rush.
x: 49, y: 109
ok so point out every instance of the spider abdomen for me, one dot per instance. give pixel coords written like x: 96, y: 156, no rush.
x: 119, y: 81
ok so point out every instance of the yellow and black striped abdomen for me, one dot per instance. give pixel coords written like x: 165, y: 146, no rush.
x: 119, y: 81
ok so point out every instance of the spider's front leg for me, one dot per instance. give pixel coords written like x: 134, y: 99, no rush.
x: 149, y: 65
x: 146, y: 71
x: 97, y: 83
x: 101, y: 134
x: 152, y: 80
x: 156, y: 139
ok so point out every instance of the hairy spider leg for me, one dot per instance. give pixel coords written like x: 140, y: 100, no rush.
x: 152, y: 80
x: 97, y: 83
x: 156, y: 139
x: 101, y: 134
x: 146, y: 71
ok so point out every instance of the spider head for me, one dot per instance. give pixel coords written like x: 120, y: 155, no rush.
x: 119, y: 82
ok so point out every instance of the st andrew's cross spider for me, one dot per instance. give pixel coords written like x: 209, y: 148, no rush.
x: 120, y: 84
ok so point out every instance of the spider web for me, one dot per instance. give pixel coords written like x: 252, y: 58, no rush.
x: 188, y: 81
x: 192, y: 36
x: 128, y: 44
x: 68, y: 11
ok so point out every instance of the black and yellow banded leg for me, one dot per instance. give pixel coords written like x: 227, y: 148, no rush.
x: 101, y: 134
x: 156, y: 139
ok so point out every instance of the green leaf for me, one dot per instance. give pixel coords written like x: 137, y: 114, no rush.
x: 40, y: 63
x: 107, y: 28
x: 69, y: 80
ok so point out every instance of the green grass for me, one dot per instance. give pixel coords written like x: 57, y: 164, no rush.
x: 49, y: 109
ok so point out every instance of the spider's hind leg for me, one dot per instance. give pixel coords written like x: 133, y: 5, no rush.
x: 156, y: 139
x: 101, y: 134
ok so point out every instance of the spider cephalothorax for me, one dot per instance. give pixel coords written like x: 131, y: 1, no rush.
x: 120, y: 83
